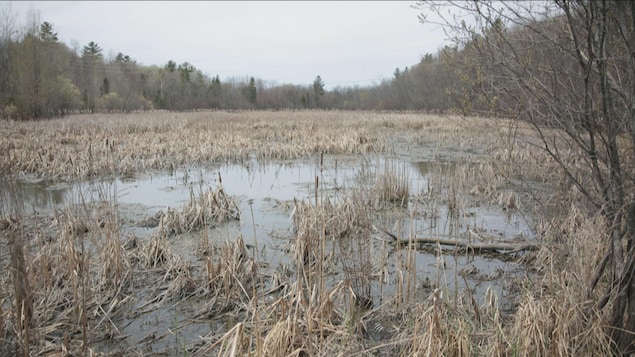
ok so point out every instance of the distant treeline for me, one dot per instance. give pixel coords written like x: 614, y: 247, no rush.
x: 42, y: 78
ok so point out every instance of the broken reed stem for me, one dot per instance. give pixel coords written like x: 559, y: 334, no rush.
x: 84, y: 274
x: 322, y: 255
x: 254, y: 294
x: 13, y: 208
x: 3, y: 329
x: 23, y: 305
x: 412, y: 257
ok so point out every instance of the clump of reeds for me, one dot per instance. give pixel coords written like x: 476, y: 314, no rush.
x: 453, y: 203
x: 509, y: 201
x: 282, y: 338
x: 181, y: 282
x: 210, y: 208
x: 440, y: 326
x: 230, y: 275
x: 308, y: 228
x: 393, y: 184
x: 114, y: 264
x: 557, y: 314
x: 484, y: 180
x: 454, y: 185
x: 521, y: 159
x: 347, y: 224
x: 436, y: 329
x: 309, y: 320
x: 73, y: 220
x: 213, y: 206
x: 156, y: 251
x: 345, y: 219
x: 114, y: 267
x: 22, y: 317
x: 23, y: 303
x: 561, y: 323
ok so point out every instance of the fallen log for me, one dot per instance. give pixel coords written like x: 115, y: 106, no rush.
x: 510, y: 247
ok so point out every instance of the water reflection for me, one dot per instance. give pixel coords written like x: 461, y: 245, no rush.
x: 269, y: 185
x: 265, y: 193
x: 426, y: 168
x: 41, y: 193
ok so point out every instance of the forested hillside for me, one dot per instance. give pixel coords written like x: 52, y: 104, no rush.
x: 42, y: 78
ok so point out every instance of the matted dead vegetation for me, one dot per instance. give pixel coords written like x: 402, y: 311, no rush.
x: 73, y: 283
x: 124, y: 144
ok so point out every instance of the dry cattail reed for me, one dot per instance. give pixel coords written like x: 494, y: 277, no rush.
x: 84, y: 278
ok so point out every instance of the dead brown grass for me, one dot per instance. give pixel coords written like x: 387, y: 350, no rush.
x: 393, y: 184
x: 124, y: 144
x: 88, y: 145
x: 209, y: 209
x: 81, y: 274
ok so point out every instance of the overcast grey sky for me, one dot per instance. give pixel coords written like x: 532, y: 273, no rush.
x: 346, y: 43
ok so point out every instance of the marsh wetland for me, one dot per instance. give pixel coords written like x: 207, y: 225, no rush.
x: 270, y: 233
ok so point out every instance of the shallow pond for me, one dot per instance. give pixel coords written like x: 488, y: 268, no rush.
x: 265, y: 195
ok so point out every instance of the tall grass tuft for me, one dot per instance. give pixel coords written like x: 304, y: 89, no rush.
x: 211, y: 207
x: 230, y: 278
x: 393, y: 183
x: 156, y: 251
x: 114, y: 268
x: 559, y: 316
x: 23, y: 310
x: 23, y: 302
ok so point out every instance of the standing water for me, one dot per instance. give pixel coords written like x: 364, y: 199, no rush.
x: 267, y: 196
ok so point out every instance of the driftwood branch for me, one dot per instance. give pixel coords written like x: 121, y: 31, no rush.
x: 473, y: 246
